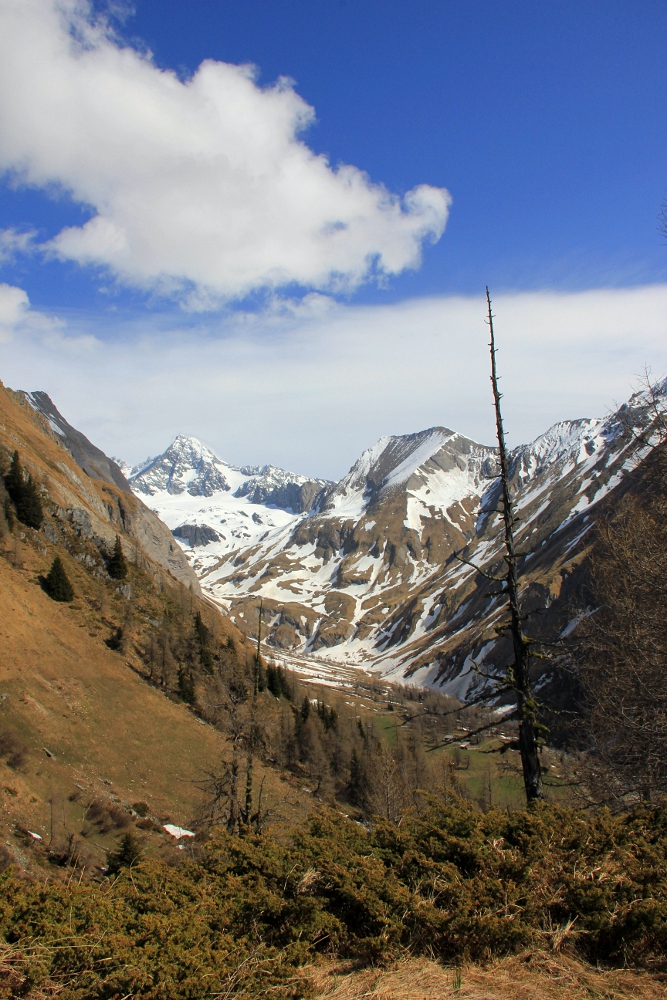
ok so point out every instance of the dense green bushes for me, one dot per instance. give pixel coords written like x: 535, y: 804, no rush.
x: 451, y: 882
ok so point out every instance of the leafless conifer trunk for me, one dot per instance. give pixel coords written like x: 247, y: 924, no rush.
x: 518, y: 671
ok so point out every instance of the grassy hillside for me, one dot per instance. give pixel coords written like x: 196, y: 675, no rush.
x: 86, y: 732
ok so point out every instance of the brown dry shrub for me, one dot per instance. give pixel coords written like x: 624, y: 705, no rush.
x: 106, y: 816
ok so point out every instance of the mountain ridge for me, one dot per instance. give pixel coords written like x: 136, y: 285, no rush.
x: 367, y: 576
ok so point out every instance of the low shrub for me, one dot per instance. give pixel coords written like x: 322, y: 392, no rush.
x: 449, y: 882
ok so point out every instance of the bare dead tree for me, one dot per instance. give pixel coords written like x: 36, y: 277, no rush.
x: 518, y: 671
x: 516, y: 679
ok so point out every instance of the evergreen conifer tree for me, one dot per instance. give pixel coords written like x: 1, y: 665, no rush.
x: 127, y: 854
x: 115, y: 639
x: 202, y: 635
x: 117, y: 567
x: 356, y: 786
x: 201, y: 630
x: 56, y: 584
x: 272, y: 682
x: 14, y: 478
x: 24, y: 494
x: 284, y: 683
x: 277, y: 683
x: 29, y: 507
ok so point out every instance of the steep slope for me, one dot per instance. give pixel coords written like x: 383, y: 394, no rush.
x: 96, y: 737
x: 87, y: 456
x: 79, y: 729
x: 80, y: 725
x: 95, y: 505
x: 371, y: 576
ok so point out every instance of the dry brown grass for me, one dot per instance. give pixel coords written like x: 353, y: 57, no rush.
x: 532, y: 976
x: 110, y: 736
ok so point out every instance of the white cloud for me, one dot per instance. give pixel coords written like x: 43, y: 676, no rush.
x: 14, y: 242
x: 311, y: 392
x: 16, y: 316
x: 199, y: 188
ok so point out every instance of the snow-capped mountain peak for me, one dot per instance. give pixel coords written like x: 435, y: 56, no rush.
x: 436, y: 459
x: 365, y: 571
x: 186, y: 466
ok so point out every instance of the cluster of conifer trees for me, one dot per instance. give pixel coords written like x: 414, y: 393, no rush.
x: 370, y: 760
x: 24, y: 497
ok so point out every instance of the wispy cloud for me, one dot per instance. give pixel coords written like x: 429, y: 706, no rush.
x: 200, y: 189
x: 311, y: 391
x: 14, y: 242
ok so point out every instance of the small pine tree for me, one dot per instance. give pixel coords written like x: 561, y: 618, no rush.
x: 273, y: 681
x: 201, y: 631
x: 115, y: 640
x: 327, y: 715
x: 277, y: 683
x: 56, y: 584
x: 117, y: 567
x: 356, y: 784
x: 305, y: 708
x: 126, y: 854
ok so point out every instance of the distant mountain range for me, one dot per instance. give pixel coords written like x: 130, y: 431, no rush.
x: 365, y: 572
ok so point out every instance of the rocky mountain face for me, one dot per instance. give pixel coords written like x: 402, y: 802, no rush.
x: 368, y: 572
x: 101, y: 504
x: 87, y: 456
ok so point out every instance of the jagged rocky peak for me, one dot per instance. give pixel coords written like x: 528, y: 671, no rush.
x: 187, y: 466
x: 566, y: 441
x: 409, y: 460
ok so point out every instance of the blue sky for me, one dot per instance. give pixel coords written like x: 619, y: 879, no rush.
x: 543, y: 122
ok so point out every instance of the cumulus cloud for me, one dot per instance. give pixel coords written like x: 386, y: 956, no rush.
x: 200, y: 188
x: 283, y: 390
